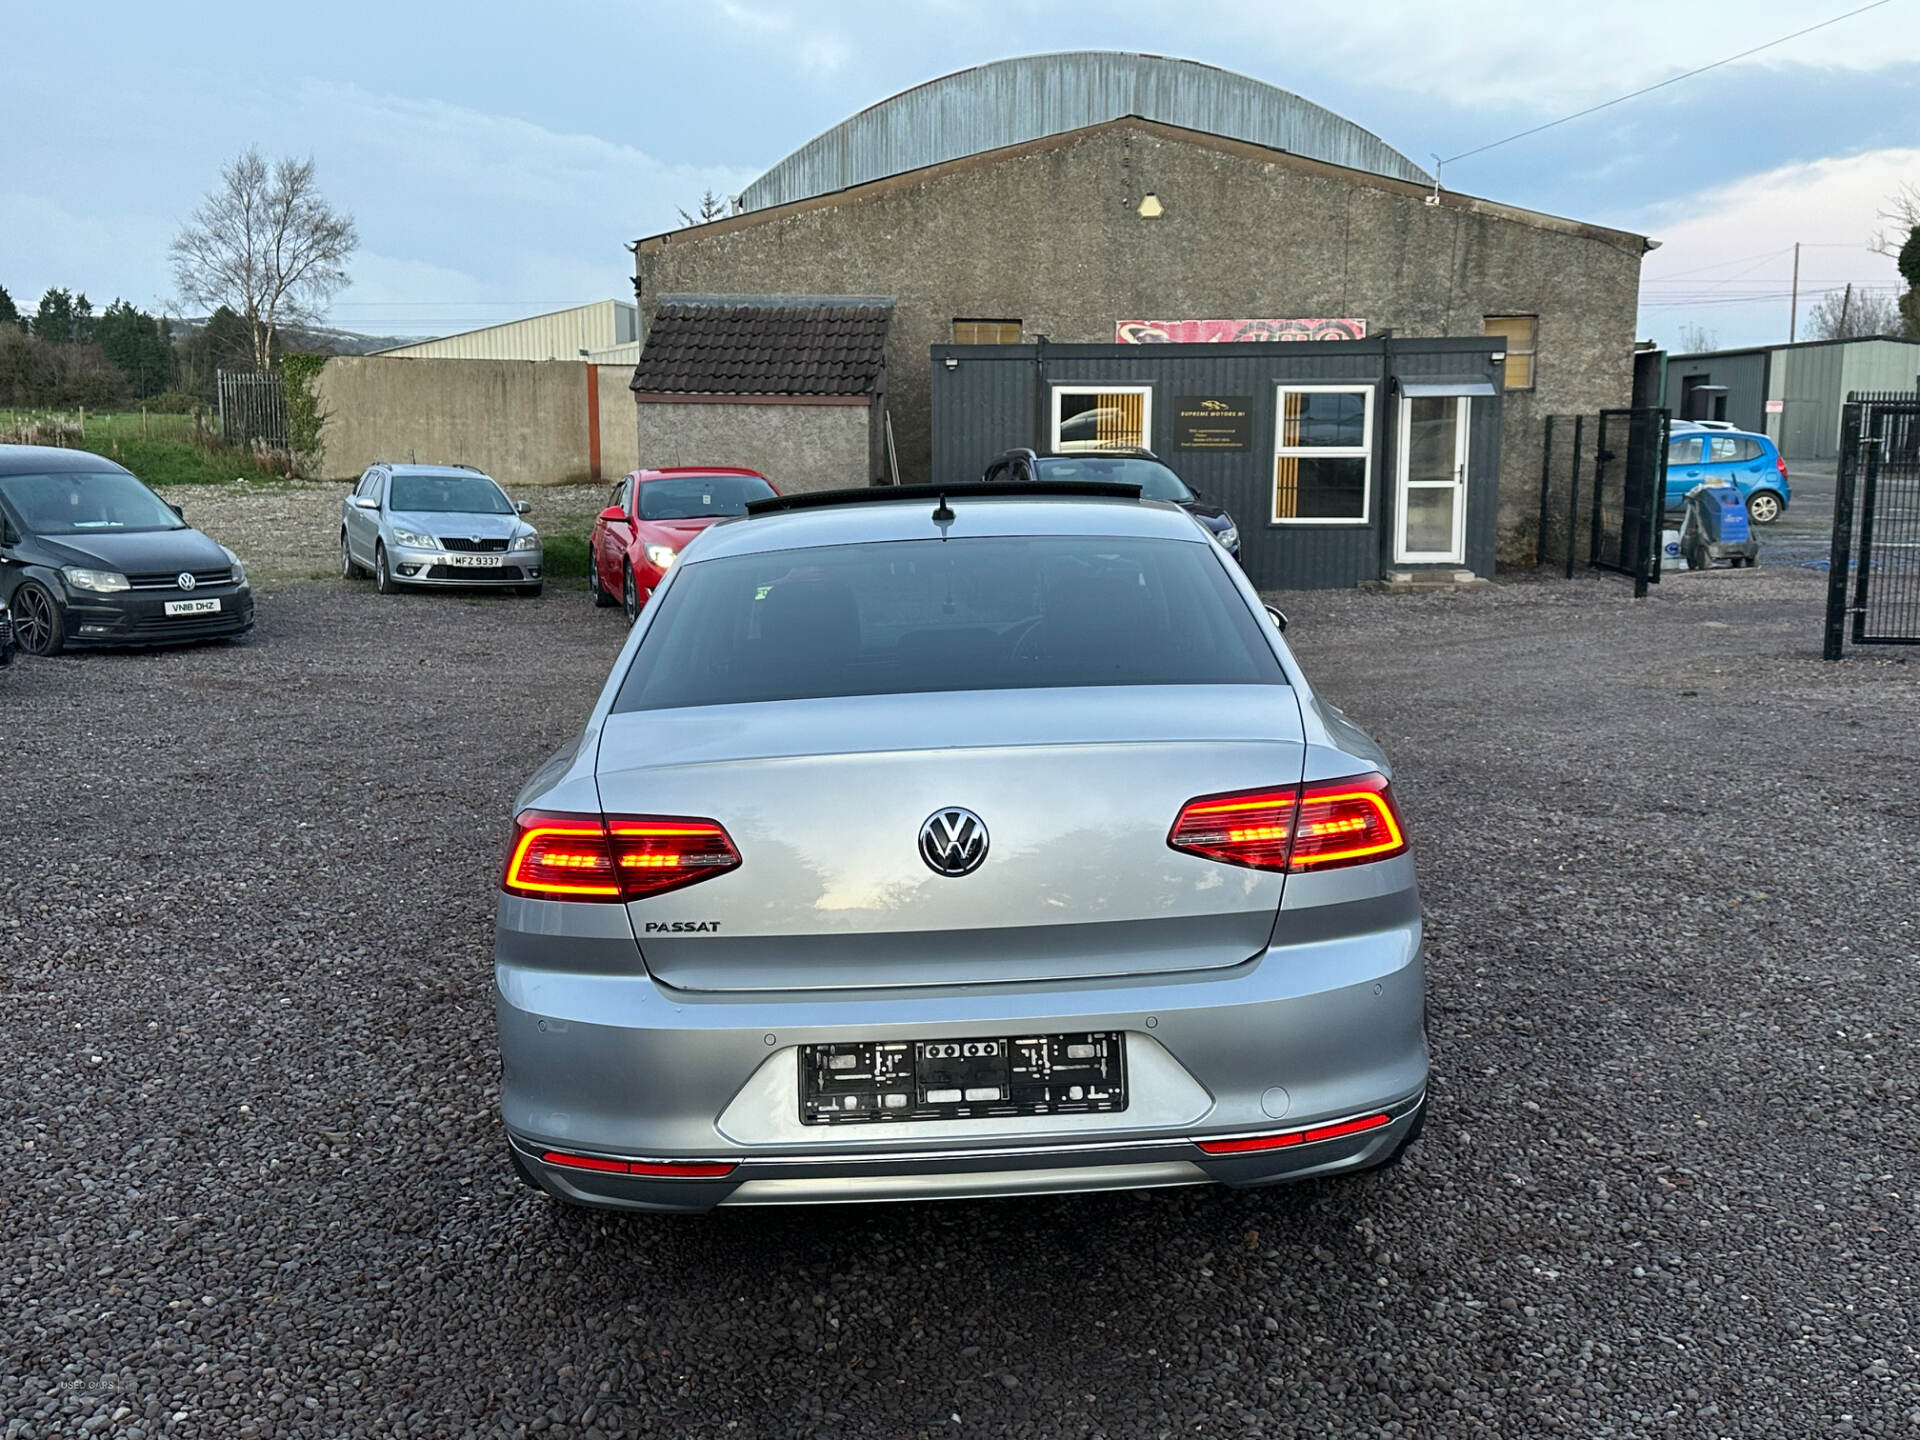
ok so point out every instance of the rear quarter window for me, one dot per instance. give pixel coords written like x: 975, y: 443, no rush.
x: 1732, y: 449
x: 988, y: 613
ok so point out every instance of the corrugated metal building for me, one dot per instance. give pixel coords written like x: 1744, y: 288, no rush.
x: 1790, y: 393
x: 557, y: 335
x: 1339, y: 460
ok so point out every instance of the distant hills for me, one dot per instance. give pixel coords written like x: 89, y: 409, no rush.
x: 316, y: 339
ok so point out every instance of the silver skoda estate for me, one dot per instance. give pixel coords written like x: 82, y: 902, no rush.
x: 935, y: 843
x: 411, y: 525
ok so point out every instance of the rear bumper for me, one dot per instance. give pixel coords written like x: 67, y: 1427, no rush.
x: 602, y: 1061
x: 977, y: 1173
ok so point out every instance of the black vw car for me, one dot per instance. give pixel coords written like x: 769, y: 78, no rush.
x: 1125, y: 467
x: 90, y: 556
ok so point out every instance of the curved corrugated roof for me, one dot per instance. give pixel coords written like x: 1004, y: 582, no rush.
x: 1010, y: 102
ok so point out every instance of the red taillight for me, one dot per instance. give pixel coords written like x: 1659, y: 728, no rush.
x: 1321, y: 826
x: 1780, y: 463
x: 669, y: 1169
x: 613, y: 857
x: 1249, y: 828
x: 1293, y: 1137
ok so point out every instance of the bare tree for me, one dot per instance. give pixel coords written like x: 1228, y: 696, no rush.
x: 712, y: 207
x: 1901, y: 218
x: 1852, y: 312
x: 267, y: 245
x: 1696, y: 340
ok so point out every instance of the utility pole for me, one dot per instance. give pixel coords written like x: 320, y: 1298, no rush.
x: 1793, y: 320
x: 1846, y: 304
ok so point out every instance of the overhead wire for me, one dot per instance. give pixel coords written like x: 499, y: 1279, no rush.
x: 1657, y: 85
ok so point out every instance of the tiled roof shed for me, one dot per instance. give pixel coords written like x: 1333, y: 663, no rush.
x: 764, y: 345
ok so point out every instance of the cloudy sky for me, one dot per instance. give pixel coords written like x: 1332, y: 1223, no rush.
x: 498, y: 156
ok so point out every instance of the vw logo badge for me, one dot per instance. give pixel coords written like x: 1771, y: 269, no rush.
x: 185, y: 580
x: 953, y: 842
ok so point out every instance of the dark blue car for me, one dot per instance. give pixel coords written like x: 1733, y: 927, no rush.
x: 1125, y: 467
x: 1739, y: 458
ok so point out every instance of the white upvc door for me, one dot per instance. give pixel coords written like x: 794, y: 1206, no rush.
x: 1430, y: 518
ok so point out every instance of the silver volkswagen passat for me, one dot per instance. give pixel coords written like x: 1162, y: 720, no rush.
x: 437, y: 525
x: 932, y: 843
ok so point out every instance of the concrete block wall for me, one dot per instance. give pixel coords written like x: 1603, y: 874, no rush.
x: 523, y: 422
x: 797, y: 447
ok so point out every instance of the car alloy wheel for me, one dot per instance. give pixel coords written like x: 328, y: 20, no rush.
x: 38, y: 626
x: 629, y: 593
x: 347, y: 568
x: 1763, y: 507
x: 382, y: 576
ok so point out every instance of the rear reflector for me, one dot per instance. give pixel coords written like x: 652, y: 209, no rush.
x: 1293, y: 1137
x: 613, y: 857
x: 669, y: 1169
x: 1320, y: 826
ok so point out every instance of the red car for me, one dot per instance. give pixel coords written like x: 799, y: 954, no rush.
x: 654, y: 514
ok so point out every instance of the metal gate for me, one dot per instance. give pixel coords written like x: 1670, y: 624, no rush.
x: 1613, y: 512
x: 253, y: 406
x: 1877, y: 495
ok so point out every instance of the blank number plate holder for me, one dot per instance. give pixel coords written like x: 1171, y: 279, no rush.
x: 873, y: 1082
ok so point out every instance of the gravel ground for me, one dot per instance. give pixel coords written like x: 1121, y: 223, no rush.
x: 253, y: 1173
x: 290, y: 530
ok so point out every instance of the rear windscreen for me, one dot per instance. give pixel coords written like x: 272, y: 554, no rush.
x: 992, y: 613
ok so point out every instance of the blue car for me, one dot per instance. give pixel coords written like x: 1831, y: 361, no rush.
x: 1739, y: 458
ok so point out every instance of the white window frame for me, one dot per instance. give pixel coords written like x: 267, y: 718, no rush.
x: 1146, y: 409
x: 1322, y: 452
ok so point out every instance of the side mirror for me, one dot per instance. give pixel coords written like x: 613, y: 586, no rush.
x: 613, y: 515
x: 1279, y: 620
x: 521, y: 507
x: 366, y: 502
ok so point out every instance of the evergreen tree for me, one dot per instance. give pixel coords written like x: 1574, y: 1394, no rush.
x: 137, y: 344
x: 224, y: 342
x: 53, y: 322
x: 9, y: 315
x: 1909, y: 262
x: 82, y: 319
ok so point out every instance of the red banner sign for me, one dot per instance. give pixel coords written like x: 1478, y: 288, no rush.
x: 1204, y: 332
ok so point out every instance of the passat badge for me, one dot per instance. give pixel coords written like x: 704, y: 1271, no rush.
x: 953, y: 842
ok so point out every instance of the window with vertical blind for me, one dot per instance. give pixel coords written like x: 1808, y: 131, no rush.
x: 1102, y: 417
x: 1517, y: 331
x: 986, y: 332
x: 1323, y: 455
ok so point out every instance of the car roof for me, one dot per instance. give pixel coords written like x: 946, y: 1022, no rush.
x: 1688, y: 428
x: 871, y: 521
x: 668, y: 472
x: 411, y: 469
x: 51, y: 459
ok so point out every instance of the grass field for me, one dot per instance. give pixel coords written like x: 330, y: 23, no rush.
x: 565, y: 559
x: 160, y: 449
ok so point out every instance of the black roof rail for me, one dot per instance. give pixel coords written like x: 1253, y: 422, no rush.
x: 963, y: 490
